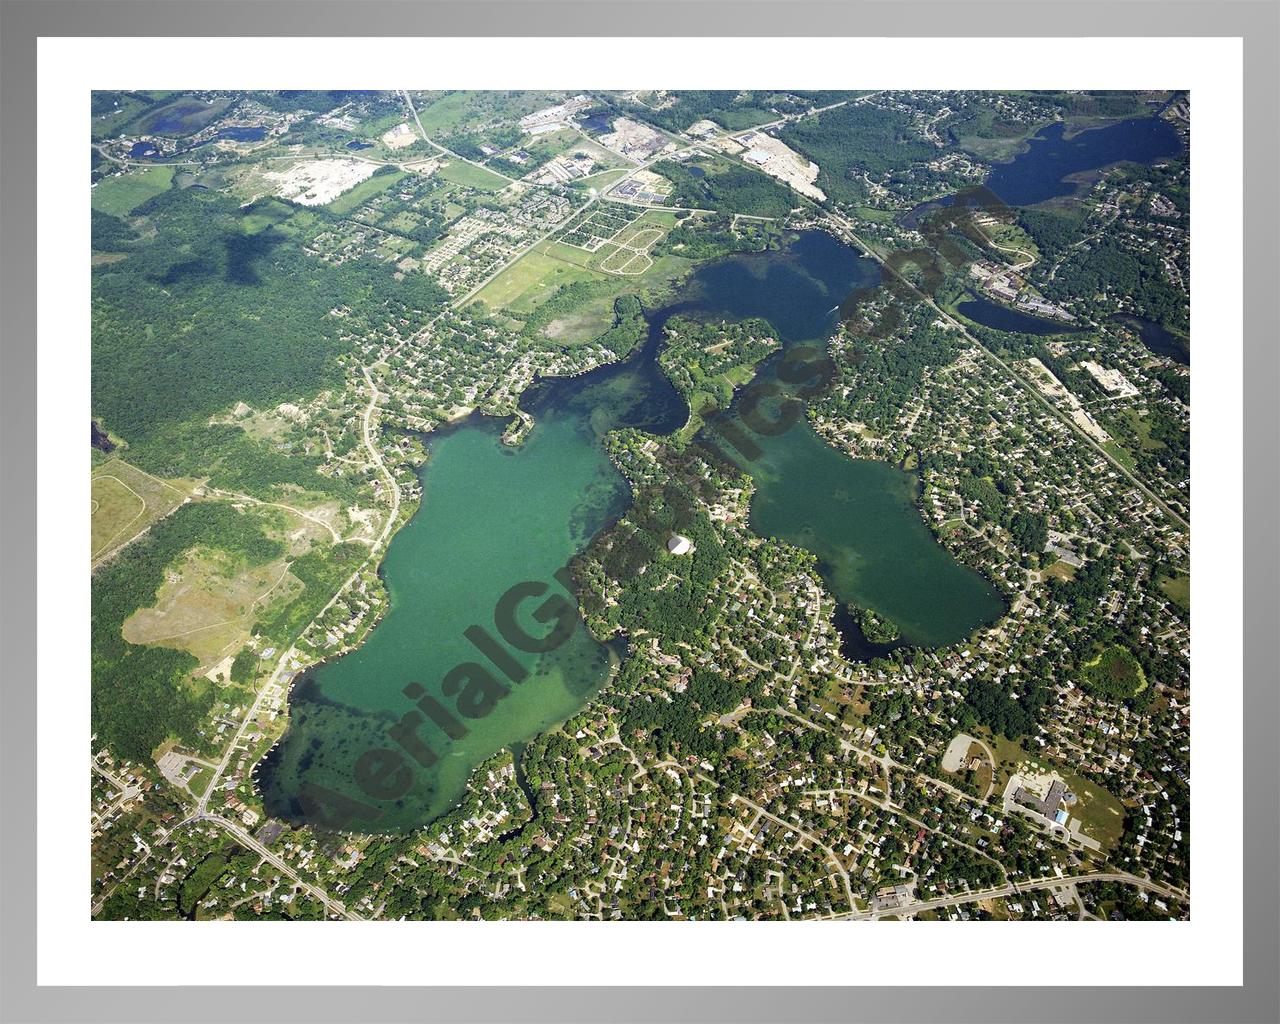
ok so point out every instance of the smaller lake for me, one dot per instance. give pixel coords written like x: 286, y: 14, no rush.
x: 243, y: 133
x: 1039, y: 173
x: 143, y: 149
x: 1157, y: 338
x: 357, y: 144
x: 597, y: 122
x: 1002, y: 318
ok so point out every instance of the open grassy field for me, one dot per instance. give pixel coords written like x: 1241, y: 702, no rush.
x: 184, y: 115
x: 1120, y: 453
x: 463, y: 173
x: 876, y: 216
x: 1009, y: 754
x: 536, y: 277
x: 530, y: 281
x: 992, y: 145
x: 125, y: 501
x: 1101, y: 814
x: 1178, y: 589
x: 583, y: 325
x: 1141, y: 426
x: 451, y: 111
x: 207, y: 604
x: 210, y: 599
x: 367, y: 189
x: 1061, y: 570
x: 600, y: 181
x: 121, y: 193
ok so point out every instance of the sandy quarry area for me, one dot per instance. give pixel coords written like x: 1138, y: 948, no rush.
x: 399, y: 137
x: 779, y: 160
x: 316, y: 182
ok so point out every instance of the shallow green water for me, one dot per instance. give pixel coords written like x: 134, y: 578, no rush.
x: 492, y: 516
x: 858, y: 516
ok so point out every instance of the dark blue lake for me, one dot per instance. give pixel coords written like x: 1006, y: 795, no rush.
x: 243, y: 133
x: 1039, y: 173
x: 1157, y: 338
x: 1002, y: 318
x: 357, y: 144
x: 597, y: 122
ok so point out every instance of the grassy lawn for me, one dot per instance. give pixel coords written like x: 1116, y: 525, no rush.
x: 1062, y: 570
x: 448, y: 112
x: 531, y: 280
x: 1178, y: 589
x: 200, y: 781
x: 1009, y: 754
x: 560, y: 904
x: 121, y: 193
x: 1101, y: 814
x: 1141, y: 426
x: 209, y: 603
x: 601, y: 180
x: 1120, y: 454
x: 870, y: 213
x: 367, y: 189
x: 125, y: 500
x: 462, y: 173
x: 997, y: 148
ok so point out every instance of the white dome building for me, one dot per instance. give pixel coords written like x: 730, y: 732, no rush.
x: 679, y: 545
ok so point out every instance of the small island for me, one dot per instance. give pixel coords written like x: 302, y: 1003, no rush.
x: 875, y: 627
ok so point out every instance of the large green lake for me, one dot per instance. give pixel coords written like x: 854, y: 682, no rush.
x: 492, y: 517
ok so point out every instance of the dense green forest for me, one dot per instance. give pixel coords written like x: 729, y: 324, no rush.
x: 110, y: 234
x: 729, y: 191
x: 1107, y: 266
x: 705, y: 360
x: 850, y: 140
x: 142, y: 695
x: 629, y: 326
x: 206, y: 313
x: 1053, y: 231
x: 732, y: 109
x: 727, y: 107
x: 1114, y: 673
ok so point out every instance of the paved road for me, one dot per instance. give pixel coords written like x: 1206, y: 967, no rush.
x: 444, y: 149
x: 1015, y: 889
x: 244, y: 839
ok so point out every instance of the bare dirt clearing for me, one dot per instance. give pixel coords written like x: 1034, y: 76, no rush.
x: 207, y: 605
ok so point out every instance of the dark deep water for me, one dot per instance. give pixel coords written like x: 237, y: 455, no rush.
x: 1157, y: 338
x: 492, y: 516
x: 1040, y: 172
x: 1002, y: 318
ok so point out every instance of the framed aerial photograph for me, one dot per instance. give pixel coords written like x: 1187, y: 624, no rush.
x: 592, y: 497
